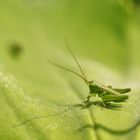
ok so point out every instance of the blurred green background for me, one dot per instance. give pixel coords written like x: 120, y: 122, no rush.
x: 105, y: 37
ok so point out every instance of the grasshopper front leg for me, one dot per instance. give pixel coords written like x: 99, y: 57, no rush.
x: 89, y: 96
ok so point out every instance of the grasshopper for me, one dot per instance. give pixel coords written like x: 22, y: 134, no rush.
x: 106, y: 93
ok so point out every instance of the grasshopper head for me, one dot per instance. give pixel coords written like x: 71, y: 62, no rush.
x: 90, y: 82
x: 93, y: 88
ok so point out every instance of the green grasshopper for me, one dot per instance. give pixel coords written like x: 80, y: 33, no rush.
x: 106, y: 93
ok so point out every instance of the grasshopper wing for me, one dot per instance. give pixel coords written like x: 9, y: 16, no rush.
x: 122, y: 91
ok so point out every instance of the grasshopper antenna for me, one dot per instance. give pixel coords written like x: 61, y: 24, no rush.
x: 74, y: 57
x: 67, y: 69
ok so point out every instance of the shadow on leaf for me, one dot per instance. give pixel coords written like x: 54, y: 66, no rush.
x: 109, y: 130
